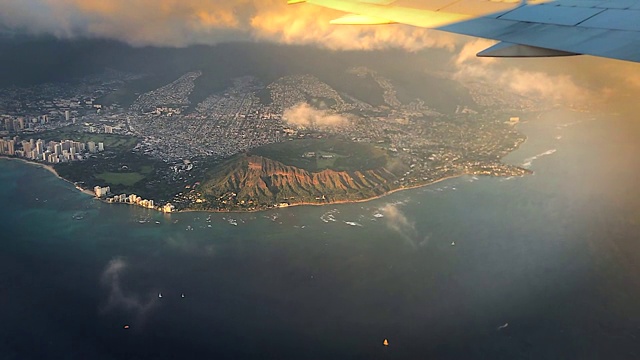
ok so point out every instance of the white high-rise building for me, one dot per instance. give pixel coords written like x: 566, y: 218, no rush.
x: 39, y: 146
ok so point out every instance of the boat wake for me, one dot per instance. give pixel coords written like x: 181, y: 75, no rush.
x: 529, y: 161
x: 329, y: 216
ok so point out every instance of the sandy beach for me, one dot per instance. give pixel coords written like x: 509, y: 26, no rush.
x: 51, y: 170
x: 88, y: 192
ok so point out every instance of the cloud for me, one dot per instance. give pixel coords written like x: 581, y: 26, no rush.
x: 516, y: 78
x: 308, y: 24
x: 186, y: 22
x: 397, y: 221
x: 307, y: 117
x: 467, y: 53
x: 118, y: 299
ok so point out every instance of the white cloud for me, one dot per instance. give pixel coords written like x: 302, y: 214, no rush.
x: 397, y: 221
x: 307, y: 117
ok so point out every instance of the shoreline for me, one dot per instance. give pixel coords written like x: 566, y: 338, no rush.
x: 50, y: 169
x: 339, y: 202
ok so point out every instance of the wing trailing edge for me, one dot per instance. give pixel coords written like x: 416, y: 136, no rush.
x: 505, y: 49
x: 533, y: 28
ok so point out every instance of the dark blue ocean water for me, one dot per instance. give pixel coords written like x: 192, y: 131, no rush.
x: 543, y: 267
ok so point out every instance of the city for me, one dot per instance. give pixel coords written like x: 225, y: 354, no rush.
x: 247, y: 115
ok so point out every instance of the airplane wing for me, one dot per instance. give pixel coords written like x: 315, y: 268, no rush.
x: 606, y: 28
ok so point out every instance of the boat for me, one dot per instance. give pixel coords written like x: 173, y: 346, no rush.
x: 159, y: 295
x: 453, y: 243
x: 182, y: 295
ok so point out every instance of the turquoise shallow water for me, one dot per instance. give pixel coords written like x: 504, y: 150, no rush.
x: 544, y: 266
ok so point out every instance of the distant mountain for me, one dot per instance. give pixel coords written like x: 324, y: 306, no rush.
x: 27, y: 61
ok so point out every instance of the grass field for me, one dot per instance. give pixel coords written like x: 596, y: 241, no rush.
x: 126, y: 179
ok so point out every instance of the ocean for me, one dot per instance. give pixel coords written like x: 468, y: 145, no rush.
x: 546, y: 266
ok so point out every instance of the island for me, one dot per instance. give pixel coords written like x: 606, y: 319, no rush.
x: 297, y: 140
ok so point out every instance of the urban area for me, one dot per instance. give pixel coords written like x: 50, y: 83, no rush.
x: 248, y: 115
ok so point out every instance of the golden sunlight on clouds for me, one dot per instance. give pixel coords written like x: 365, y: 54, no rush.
x: 308, y: 24
x: 186, y: 22
x: 518, y: 78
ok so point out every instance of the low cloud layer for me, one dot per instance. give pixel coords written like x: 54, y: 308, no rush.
x: 524, y: 82
x: 186, y: 22
x: 581, y: 81
x: 397, y: 221
x: 574, y: 81
x: 118, y: 299
x: 306, y: 117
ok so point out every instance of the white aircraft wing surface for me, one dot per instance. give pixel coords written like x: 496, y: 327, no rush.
x: 606, y: 28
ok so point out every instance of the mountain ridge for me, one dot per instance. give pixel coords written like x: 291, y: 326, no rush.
x: 255, y: 182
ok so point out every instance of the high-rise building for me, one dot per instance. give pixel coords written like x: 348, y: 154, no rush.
x: 8, y: 124
x: 92, y: 147
x: 39, y: 146
x: 11, y: 146
x: 66, y: 115
x: 108, y: 129
x: 101, y: 191
x: 100, y: 146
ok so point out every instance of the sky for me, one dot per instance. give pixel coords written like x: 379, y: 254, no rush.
x: 603, y: 83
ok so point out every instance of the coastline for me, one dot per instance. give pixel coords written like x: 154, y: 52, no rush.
x: 50, y: 169
x: 339, y: 202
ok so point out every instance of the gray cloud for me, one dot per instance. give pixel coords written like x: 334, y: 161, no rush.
x: 118, y: 299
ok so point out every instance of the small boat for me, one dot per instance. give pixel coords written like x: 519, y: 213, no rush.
x: 453, y: 243
x: 159, y: 295
x: 385, y: 342
x: 182, y: 295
